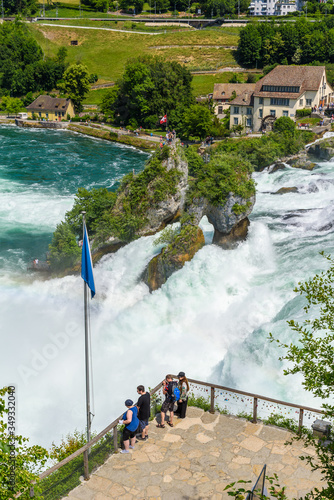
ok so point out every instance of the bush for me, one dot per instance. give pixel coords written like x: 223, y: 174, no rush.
x: 303, y: 112
x: 285, y: 125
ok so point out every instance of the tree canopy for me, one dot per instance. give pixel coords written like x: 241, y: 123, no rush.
x: 76, y: 83
x: 28, y: 459
x: 22, y: 67
x: 264, y: 44
x: 151, y: 88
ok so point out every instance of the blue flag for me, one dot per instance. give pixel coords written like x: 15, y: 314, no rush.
x: 86, y: 264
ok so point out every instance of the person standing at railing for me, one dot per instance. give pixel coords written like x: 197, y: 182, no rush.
x: 168, y: 404
x: 183, y: 401
x: 144, y: 411
x: 131, y: 422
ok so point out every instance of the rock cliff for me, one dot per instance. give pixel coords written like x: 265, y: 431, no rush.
x: 163, y: 193
x: 169, y: 190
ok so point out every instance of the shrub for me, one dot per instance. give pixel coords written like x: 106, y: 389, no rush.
x: 303, y: 112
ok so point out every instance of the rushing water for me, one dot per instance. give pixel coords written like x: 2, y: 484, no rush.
x: 211, y: 319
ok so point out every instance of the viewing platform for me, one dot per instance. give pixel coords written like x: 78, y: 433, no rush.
x: 197, y: 458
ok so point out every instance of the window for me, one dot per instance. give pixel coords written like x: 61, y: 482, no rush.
x: 220, y: 110
x: 308, y: 102
x: 261, y: 113
x: 261, y: 100
x: 236, y: 121
x: 273, y: 112
x: 249, y: 122
x: 236, y: 110
x: 285, y: 113
x: 279, y: 102
x: 279, y: 88
x: 301, y: 102
x: 249, y: 111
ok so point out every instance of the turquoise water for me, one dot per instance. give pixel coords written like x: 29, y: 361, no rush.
x: 40, y: 171
x: 211, y: 319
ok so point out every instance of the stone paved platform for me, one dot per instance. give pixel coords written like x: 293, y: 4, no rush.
x: 196, y: 459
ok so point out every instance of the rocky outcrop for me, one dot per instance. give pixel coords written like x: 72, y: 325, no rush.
x: 231, y: 239
x: 229, y: 220
x: 285, y: 190
x: 173, y: 257
x: 323, y: 150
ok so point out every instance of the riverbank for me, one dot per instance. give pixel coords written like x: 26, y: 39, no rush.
x: 112, y: 134
x: 143, y: 141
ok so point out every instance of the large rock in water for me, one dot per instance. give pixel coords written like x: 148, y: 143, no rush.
x: 231, y: 226
x: 173, y: 257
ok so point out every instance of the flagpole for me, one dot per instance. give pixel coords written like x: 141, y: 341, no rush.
x: 86, y: 342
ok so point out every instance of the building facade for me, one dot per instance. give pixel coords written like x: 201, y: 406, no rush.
x: 274, y: 7
x: 224, y: 92
x: 280, y: 93
x: 51, y: 108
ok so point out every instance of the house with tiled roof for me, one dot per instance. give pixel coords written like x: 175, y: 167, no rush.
x: 51, y: 108
x: 223, y: 92
x: 280, y: 93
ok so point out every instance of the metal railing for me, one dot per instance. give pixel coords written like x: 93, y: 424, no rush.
x: 255, y: 398
x: 258, y: 488
x: 213, y: 391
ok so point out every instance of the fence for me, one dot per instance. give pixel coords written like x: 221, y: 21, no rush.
x: 217, y: 397
x: 253, y: 406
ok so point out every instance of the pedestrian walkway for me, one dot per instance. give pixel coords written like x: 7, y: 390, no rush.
x: 196, y: 459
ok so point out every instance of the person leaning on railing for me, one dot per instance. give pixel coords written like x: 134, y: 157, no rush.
x: 183, y: 401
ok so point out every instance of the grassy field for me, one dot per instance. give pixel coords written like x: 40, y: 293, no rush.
x: 106, y: 52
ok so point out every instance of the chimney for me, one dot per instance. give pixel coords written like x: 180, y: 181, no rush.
x: 245, y: 96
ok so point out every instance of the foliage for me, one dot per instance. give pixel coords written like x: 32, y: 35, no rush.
x: 300, y: 113
x: 22, y: 66
x: 241, y: 493
x: 225, y: 173
x: 197, y: 121
x: 285, y: 125
x: 68, y: 445
x: 11, y: 104
x: 64, y: 249
x: 281, y: 421
x: 262, y: 152
x: 108, y: 100
x: 76, y: 83
x: 57, y: 485
x: 199, y: 402
x: 135, y: 4
x: 195, y: 162
x: 312, y: 356
x: 151, y: 87
x: 28, y: 459
x: 167, y: 236
x: 25, y: 7
x: 266, y: 44
x: 94, y: 202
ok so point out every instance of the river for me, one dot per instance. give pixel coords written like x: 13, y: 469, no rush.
x: 211, y: 319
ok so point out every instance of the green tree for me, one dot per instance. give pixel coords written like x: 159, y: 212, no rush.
x: 249, y: 47
x: 197, y: 121
x: 107, y: 102
x: 12, y: 105
x: 64, y: 249
x: 150, y: 88
x: 285, y: 125
x: 76, y: 83
x: 28, y: 459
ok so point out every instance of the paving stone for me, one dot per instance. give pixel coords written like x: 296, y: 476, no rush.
x: 197, y: 458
